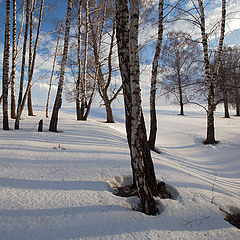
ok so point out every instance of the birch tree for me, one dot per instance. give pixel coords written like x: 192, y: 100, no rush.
x: 32, y: 55
x: 211, y: 80
x: 84, y: 75
x: 53, y: 69
x: 104, y: 77
x: 17, y: 121
x: 180, y: 68
x: 58, y: 99
x: 5, y: 75
x: 127, y: 39
x: 79, y: 62
x: 14, y: 58
x: 153, y: 117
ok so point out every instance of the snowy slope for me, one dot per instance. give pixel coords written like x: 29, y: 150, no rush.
x: 58, y: 185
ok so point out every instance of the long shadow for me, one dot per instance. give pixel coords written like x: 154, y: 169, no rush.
x: 53, y: 185
x: 98, y: 221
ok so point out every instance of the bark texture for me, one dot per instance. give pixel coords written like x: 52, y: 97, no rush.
x: 211, y: 80
x: 32, y: 57
x: 14, y: 58
x: 58, y: 99
x: 53, y: 70
x: 17, y: 121
x: 6, y: 67
x: 153, y: 117
x: 138, y: 140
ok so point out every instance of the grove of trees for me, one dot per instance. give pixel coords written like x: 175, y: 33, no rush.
x: 97, y: 43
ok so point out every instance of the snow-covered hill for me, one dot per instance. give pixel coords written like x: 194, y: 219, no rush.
x: 58, y: 185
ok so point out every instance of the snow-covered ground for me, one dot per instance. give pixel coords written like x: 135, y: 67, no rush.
x: 58, y: 185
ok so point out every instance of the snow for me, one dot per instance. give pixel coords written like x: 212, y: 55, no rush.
x: 59, y: 185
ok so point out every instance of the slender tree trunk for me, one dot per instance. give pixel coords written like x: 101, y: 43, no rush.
x: 84, y: 79
x: 91, y: 97
x: 17, y: 121
x: 30, y: 108
x: 78, y: 83
x: 33, y: 5
x: 5, y: 73
x: 237, y: 98
x: 211, y: 81
x: 53, y: 70
x: 225, y: 102
x: 103, y: 88
x: 14, y: 58
x: 153, y: 116
x: 58, y: 99
x: 32, y: 58
x: 180, y: 92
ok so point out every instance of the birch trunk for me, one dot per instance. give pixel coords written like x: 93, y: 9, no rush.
x: 17, y: 121
x: 129, y: 67
x: 58, y: 99
x: 180, y: 89
x: 29, y: 103
x: 137, y: 132
x: 122, y: 34
x: 5, y: 72
x: 84, y: 77
x: 78, y: 84
x: 33, y: 5
x: 211, y: 81
x: 153, y: 117
x: 14, y: 58
x: 53, y: 70
x: 32, y: 58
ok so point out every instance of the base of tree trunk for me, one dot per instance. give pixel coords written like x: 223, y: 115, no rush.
x: 40, y: 126
x: 210, y: 142
x: 131, y: 190
x: 233, y: 219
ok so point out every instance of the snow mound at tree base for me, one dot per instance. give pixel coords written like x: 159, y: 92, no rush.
x: 231, y: 214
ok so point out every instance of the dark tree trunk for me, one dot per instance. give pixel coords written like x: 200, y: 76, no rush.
x: 30, y: 108
x: 40, y: 126
x: 110, y: 118
x: 225, y: 102
x: 58, y: 99
x: 210, y: 123
x: 237, y: 98
x: 5, y: 72
x: 180, y: 93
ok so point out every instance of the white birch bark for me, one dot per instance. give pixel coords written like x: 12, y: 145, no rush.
x: 14, y: 59
x: 84, y: 75
x: 153, y: 117
x: 17, y: 121
x: 53, y: 70
x: 58, y: 99
x: 145, y: 194
x: 211, y: 81
x: 32, y: 57
x: 5, y: 75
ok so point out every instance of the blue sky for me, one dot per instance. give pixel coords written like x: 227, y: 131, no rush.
x: 58, y: 12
